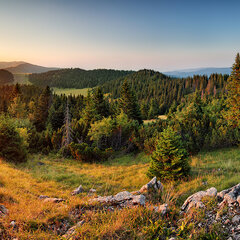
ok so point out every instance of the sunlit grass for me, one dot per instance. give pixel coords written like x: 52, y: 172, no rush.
x: 20, y: 187
x: 71, y: 91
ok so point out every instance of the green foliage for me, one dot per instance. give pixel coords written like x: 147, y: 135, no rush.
x: 84, y: 153
x: 193, y: 124
x: 233, y: 95
x: 113, y: 132
x: 11, y: 144
x: 41, y: 111
x: 76, y: 78
x: 170, y: 159
x: 149, y: 85
x: 128, y: 103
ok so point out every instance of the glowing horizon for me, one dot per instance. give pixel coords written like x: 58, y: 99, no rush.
x: 120, y: 35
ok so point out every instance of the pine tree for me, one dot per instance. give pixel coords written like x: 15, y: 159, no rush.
x: 170, y: 159
x: 233, y: 94
x: 128, y: 103
x: 40, y: 115
x: 99, y: 103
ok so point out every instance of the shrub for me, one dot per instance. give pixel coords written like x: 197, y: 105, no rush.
x: 11, y: 144
x: 170, y: 159
x: 86, y: 153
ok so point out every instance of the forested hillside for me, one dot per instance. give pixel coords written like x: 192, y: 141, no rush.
x: 76, y: 78
x: 160, y: 91
x: 6, y: 77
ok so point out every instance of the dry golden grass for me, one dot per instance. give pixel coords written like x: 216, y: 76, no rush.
x: 21, y: 185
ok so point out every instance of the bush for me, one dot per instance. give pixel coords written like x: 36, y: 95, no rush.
x: 11, y: 144
x: 170, y: 159
x: 86, y: 153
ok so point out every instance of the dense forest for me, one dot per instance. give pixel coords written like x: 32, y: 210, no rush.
x: 6, y: 77
x: 201, y: 115
x: 156, y: 92
x: 76, y: 78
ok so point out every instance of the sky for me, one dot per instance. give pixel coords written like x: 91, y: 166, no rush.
x: 162, y: 35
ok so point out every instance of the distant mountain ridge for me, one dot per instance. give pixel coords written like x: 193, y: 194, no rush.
x: 24, y: 67
x: 199, y: 71
x: 4, y: 65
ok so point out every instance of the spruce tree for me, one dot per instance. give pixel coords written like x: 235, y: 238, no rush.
x: 170, y: 159
x: 99, y: 103
x: 128, y: 103
x: 40, y: 115
x: 233, y: 95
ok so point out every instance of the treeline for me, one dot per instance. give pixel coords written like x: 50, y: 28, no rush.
x: 6, y: 77
x: 92, y: 128
x: 76, y: 78
x: 156, y: 92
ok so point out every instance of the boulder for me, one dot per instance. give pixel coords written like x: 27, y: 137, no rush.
x: 123, y: 196
x: 77, y: 190
x: 3, y: 210
x: 153, y: 184
x: 230, y: 196
x: 43, y: 197
x: 139, y: 199
x: 236, y: 219
x: 92, y: 190
x: 163, y: 209
x: 195, y: 199
x: 53, y: 200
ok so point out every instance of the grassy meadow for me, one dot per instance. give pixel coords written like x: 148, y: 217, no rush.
x: 71, y: 91
x: 20, y: 186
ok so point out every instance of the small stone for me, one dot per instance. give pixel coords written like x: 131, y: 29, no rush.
x: 139, y: 199
x: 53, y: 200
x: 13, y: 224
x: 236, y: 219
x: 77, y: 190
x: 3, y: 210
x: 43, y: 197
x: 163, y: 209
x: 92, y: 190
x: 153, y: 184
x: 227, y: 222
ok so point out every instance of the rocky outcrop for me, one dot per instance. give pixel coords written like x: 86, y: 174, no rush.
x: 122, y: 199
x: 47, y: 199
x: 152, y: 185
x: 230, y: 196
x: 195, y: 199
x: 77, y: 190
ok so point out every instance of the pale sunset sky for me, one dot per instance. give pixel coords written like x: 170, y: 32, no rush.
x: 128, y: 34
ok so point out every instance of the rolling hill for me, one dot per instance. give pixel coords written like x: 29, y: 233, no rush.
x: 10, y: 64
x: 76, y: 77
x: 28, y: 68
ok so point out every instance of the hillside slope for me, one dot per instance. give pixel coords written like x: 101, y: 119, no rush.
x: 76, y: 77
x: 6, y: 77
x: 28, y: 68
